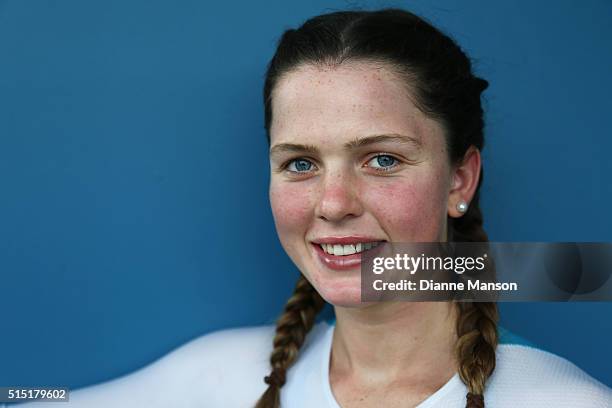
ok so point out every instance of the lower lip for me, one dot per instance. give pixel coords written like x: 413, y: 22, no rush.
x: 341, y: 262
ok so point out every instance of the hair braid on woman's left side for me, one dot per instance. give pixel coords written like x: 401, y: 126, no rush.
x: 477, y: 335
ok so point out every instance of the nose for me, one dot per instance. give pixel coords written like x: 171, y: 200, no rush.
x: 338, y: 198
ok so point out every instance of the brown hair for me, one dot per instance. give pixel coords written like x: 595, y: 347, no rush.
x: 445, y: 89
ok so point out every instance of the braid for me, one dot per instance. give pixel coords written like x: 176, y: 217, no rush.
x: 291, y: 329
x: 477, y: 321
x: 477, y: 332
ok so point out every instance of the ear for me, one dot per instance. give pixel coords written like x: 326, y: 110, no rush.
x: 464, y: 180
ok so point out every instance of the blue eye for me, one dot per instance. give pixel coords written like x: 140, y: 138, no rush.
x: 383, y: 162
x: 299, y: 165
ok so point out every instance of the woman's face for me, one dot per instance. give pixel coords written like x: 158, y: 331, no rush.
x: 353, y: 162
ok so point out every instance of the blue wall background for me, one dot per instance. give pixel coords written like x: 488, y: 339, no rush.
x: 133, y: 170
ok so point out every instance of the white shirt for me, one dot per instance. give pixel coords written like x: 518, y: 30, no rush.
x: 226, y: 369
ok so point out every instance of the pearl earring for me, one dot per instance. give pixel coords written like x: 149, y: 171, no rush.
x: 462, y: 207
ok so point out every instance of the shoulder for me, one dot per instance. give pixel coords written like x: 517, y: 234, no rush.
x: 537, y: 378
x: 246, y: 344
x: 231, y: 359
x: 220, y: 369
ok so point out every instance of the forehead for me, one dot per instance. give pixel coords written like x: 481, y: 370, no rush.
x: 325, y: 105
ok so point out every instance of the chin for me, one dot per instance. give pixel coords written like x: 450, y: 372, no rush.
x: 339, y: 288
x: 343, y: 297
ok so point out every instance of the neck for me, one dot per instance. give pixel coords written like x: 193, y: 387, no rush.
x: 406, y: 341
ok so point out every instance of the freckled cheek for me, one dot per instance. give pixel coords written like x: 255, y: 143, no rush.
x: 292, y: 208
x: 409, y: 210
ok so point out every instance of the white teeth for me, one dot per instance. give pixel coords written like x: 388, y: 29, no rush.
x: 341, y: 250
x: 349, y: 249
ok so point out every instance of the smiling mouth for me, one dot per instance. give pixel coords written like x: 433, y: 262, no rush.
x: 350, y: 249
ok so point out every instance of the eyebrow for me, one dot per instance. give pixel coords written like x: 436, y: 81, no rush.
x: 353, y: 144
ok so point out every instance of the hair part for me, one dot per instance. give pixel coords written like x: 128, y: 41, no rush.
x: 438, y: 75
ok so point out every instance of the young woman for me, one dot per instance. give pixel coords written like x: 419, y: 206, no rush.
x: 375, y: 128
